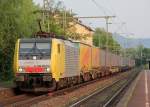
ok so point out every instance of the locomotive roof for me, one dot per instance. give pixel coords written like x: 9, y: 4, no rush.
x: 35, y: 40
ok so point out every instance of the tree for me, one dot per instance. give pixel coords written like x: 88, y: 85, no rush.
x: 100, y: 38
x: 140, y: 54
x: 16, y: 21
x: 59, y: 21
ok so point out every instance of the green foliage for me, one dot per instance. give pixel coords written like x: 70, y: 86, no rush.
x: 102, y: 39
x: 58, y: 20
x: 16, y: 20
x: 140, y: 53
x: 48, y: 17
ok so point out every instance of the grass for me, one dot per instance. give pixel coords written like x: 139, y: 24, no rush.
x: 6, y: 84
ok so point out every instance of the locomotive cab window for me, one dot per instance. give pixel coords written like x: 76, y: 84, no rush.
x: 34, y: 47
x: 29, y: 48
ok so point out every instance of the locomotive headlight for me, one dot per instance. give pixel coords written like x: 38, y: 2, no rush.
x: 47, y: 69
x: 20, y: 69
x: 34, y: 58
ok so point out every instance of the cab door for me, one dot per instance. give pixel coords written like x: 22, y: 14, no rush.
x: 57, y: 59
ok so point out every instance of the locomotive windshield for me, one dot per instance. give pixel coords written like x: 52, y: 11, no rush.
x: 35, y: 47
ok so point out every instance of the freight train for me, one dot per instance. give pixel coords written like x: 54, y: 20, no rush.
x: 46, y: 64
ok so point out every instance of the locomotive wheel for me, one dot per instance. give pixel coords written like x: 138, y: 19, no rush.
x: 54, y: 86
x: 60, y: 84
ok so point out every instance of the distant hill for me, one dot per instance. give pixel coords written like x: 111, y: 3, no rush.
x: 131, y: 42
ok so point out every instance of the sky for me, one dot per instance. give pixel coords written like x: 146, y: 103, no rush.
x: 132, y: 16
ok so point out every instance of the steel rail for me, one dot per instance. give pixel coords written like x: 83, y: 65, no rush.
x: 103, y: 89
x: 119, y: 92
x: 93, y: 94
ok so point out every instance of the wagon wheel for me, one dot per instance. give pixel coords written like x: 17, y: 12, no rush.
x: 81, y: 80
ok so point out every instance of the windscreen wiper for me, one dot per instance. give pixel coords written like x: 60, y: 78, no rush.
x: 33, y: 49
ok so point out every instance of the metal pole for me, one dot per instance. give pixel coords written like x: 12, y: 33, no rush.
x: 141, y: 55
x: 64, y: 20
x: 99, y: 48
x: 106, y: 45
x: 46, y: 7
x: 99, y: 42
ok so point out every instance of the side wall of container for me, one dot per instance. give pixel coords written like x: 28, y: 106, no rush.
x: 95, y: 57
x: 85, y: 57
x: 102, y: 58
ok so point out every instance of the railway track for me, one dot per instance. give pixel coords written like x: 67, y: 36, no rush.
x: 106, y: 96
x: 26, y: 100
x: 119, y: 94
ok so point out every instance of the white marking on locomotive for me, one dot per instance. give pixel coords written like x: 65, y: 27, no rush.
x: 34, y: 62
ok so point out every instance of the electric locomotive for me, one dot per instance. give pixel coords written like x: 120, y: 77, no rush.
x: 32, y: 63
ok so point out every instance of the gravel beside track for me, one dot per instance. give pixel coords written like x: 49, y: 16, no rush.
x: 6, y: 93
x: 11, y: 101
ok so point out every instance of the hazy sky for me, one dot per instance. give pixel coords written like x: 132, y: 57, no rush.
x: 135, y: 13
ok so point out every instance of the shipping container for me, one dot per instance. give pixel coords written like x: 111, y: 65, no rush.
x: 85, y: 57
